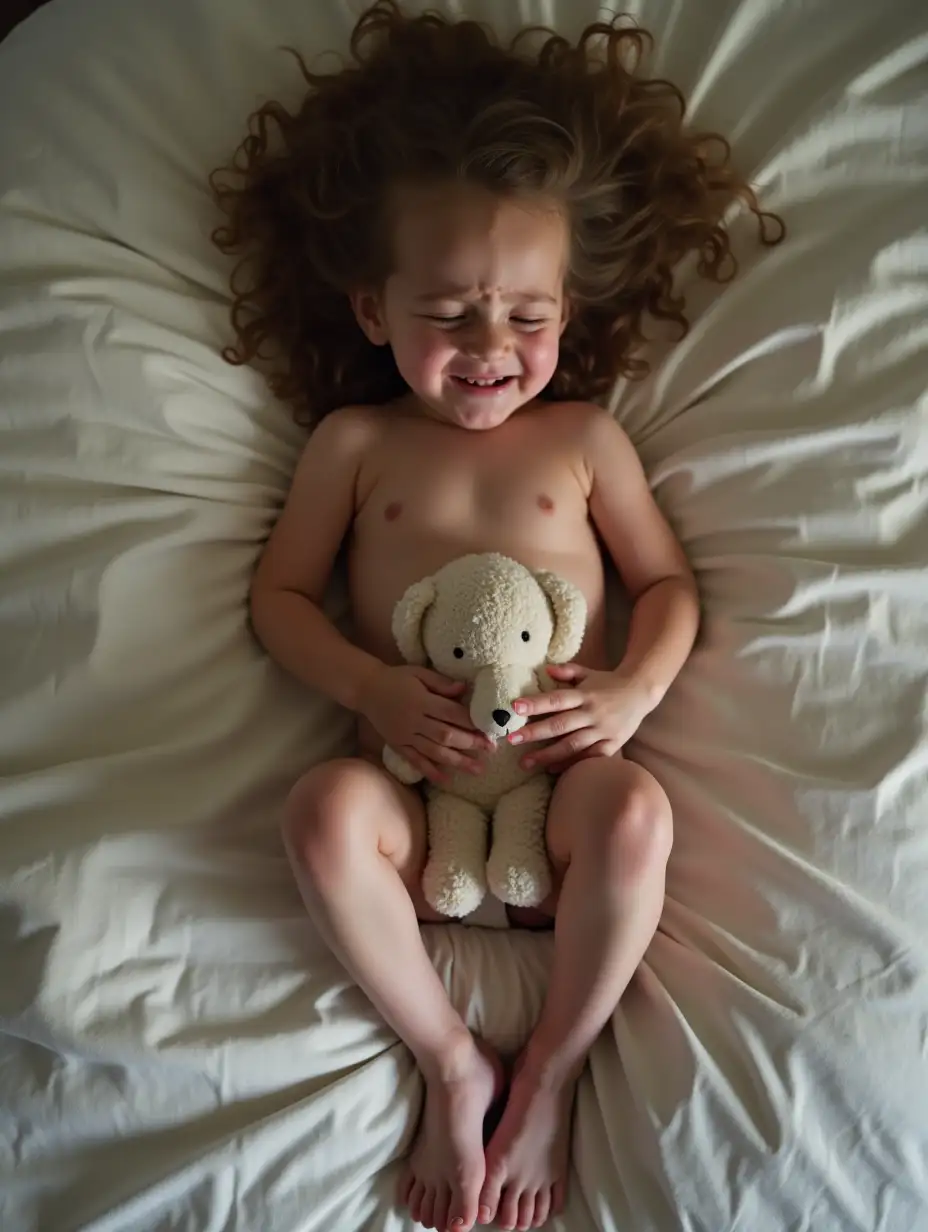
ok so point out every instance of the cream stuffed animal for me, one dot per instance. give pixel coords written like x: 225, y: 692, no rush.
x: 490, y: 621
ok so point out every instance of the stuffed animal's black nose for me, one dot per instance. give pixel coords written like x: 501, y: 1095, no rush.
x: 501, y: 717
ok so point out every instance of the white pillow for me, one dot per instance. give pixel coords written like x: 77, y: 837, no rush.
x: 180, y: 1051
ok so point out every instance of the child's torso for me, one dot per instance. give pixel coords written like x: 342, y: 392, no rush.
x: 429, y: 493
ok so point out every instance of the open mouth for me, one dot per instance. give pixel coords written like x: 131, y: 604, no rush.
x: 483, y: 385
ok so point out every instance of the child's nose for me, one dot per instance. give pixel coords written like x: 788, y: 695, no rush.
x: 488, y: 341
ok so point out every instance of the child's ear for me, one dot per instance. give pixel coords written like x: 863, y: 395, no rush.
x: 368, y: 311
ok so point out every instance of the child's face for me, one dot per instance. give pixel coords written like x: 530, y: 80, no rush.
x: 477, y: 294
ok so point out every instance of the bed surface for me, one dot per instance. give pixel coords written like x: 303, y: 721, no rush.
x: 177, y: 1049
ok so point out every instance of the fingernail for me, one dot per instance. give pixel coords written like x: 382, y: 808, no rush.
x: 528, y: 763
x: 519, y: 707
x: 515, y: 739
x: 485, y: 1214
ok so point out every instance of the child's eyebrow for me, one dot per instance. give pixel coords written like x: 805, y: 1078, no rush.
x: 457, y: 292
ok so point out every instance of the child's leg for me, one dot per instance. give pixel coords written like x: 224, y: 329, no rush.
x: 610, y: 829
x: 357, y: 840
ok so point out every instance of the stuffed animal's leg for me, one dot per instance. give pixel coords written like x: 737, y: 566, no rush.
x: 518, y: 870
x: 455, y: 881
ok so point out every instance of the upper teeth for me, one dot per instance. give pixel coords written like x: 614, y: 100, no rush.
x: 491, y: 380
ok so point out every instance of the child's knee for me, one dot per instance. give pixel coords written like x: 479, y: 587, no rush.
x: 639, y: 826
x: 610, y: 813
x: 327, y: 814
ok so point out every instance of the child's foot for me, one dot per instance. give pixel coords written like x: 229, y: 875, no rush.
x: 447, y: 1166
x: 527, y: 1158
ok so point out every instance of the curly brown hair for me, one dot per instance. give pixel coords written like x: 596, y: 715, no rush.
x: 425, y: 98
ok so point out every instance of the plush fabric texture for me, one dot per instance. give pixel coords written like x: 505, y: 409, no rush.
x: 487, y: 619
x: 178, y: 1049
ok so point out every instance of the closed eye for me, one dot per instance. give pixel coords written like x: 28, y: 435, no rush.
x: 459, y: 317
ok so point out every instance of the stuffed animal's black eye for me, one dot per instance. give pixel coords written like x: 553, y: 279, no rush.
x: 526, y: 636
x: 458, y: 652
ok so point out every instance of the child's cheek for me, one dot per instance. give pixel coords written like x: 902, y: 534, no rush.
x: 543, y: 354
x: 437, y: 353
x: 422, y: 358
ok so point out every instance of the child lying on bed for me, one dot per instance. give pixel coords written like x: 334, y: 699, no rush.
x: 451, y: 248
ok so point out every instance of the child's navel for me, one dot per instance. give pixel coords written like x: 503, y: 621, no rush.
x: 545, y: 503
x: 393, y: 511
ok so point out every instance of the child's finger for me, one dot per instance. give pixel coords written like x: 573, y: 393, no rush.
x: 448, y: 711
x: 441, y: 684
x: 567, y: 671
x: 451, y: 736
x: 548, y: 703
x: 447, y: 757
x: 551, y: 729
x: 458, y: 716
x: 423, y: 765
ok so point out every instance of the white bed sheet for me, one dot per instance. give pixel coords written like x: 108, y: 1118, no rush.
x: 178, y: 1051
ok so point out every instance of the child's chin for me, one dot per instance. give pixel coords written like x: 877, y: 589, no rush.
x: 489, y: 415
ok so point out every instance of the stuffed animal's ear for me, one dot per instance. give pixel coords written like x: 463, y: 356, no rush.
x: 569, y: 616
x: 407, y: 620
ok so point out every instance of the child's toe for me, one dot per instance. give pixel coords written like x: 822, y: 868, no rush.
x: 558, y: 1197
x: 405, y: 1187
x: 490, y: 1194
x: 462, y: 1212
x: 427, y: 1209
x: 526, y: 1212
x: 542, y: 1208
x: 508, y: 1215
x: 442, y: 1208
x: 414, y: 1201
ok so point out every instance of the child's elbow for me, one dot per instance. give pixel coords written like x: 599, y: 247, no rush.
x: 686, y: 580
x: 261, y: 604
x: 683, y: 582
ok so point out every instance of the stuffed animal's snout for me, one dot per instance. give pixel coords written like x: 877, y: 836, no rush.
x: 491, y: 705
x: 503, y: 723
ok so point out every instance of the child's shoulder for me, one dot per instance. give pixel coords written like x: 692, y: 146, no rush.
x: 355, y: 417
x: 578, y: 411
x: 360, y: 418
x: 586, y: 420
x: 349, y: 427
x: 593, y: 433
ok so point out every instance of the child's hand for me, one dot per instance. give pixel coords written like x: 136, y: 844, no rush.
x: 595, y: 718
x: 417, y: 713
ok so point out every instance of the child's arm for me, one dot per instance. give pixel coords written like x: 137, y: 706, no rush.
x: 294, y: 569
x: 599, y: 712
x: 650, y: 561
x: 412, y: 708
